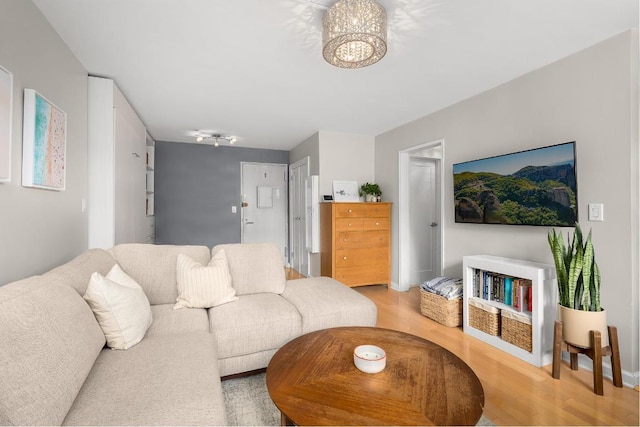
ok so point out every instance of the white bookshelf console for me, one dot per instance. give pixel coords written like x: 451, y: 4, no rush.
x: 544, y: 302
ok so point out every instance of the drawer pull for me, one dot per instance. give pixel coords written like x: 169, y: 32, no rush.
x: 344, y: 257
x: 349, y: 224
x: 344, y: 240
x: 377, y: 223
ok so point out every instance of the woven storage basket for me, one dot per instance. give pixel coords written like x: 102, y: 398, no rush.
x: 516, y: 329
x: 484, y: 317
x: 447, y: 312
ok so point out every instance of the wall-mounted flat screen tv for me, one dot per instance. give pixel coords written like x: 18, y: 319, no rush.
x: 532, y: 187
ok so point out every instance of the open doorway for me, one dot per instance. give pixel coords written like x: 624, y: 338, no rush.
x: 420, y: 214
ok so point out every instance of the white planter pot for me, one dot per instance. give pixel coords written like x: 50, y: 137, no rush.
x: 370, y: 198
x: 576, y: 325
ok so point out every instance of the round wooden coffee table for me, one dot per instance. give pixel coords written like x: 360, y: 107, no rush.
x: 313, y: 381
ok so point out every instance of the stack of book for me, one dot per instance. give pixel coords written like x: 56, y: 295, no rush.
x: 511, y: 291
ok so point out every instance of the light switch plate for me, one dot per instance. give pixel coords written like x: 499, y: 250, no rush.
x: 596, y: 212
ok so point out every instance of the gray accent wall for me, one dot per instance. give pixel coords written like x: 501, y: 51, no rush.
x: 40, y: 229
x: 195, y: 187
x: 590, y: 97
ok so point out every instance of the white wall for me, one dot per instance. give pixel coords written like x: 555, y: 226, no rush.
x: 309, y: 147
x: 336, y: 156
x: 590, y: 97
x: 345, y: 157
x: 40, y: 229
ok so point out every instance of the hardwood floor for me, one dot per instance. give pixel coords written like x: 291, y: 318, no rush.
x: 292, y: 274
x: 516, y: 393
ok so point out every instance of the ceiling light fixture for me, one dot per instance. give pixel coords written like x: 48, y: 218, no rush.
x: 216, y: 137
x: 354, y: 33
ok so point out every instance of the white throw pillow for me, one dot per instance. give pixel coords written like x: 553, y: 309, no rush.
x: 120, y: 306
x: 202, y: 286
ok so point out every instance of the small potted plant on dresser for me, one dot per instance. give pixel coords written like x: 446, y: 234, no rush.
x: 371, y: 192
x: 578, y: 278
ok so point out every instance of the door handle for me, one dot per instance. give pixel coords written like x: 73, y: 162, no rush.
x: 248, y: 222
x: 434, y: 224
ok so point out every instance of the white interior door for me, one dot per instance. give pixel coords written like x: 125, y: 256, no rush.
x: 419, y: 214
x: 424, y: 220
x: 264, y: 204
x: 299, y: 257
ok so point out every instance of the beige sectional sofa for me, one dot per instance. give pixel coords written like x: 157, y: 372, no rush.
x: 55, y: 368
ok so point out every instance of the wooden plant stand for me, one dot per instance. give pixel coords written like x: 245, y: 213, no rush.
x: 595, y: 353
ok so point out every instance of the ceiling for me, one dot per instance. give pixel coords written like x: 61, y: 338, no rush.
x: 254, y: 68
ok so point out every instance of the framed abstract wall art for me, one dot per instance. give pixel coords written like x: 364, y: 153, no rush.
x: 345, y: 191
x: 6, y: 107
x: 44, y: 143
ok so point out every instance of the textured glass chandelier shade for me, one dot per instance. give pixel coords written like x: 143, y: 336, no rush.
x: 354, y: 33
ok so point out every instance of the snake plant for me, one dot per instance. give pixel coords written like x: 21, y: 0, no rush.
x: 576, y: 270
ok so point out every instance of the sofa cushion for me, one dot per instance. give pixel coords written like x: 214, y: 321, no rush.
x: 167, y: 321
x: 121, y: 307
x: 77, y: 272
x: 164, y: 380
x: 154, y: 267
x: 326, y: 303
x: 49, y: 341
x: 254, y: 323
x: 204, y: 286
x: 255, y: 267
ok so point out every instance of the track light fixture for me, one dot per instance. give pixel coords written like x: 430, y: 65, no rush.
x: 216, y: 137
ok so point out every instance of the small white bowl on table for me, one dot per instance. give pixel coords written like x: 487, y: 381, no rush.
x: 369, y: 358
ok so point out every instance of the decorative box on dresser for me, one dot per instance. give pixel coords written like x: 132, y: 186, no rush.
x: 355, y: 242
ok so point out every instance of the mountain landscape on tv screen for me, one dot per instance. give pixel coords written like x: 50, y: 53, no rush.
x: 534, y: 195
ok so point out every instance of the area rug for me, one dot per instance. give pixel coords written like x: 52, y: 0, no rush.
x: 248, y: 403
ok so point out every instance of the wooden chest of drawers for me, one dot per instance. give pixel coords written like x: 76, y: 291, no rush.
x: 355, y: 242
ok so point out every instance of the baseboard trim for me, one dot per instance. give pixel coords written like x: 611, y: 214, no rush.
x: 629, y: 379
